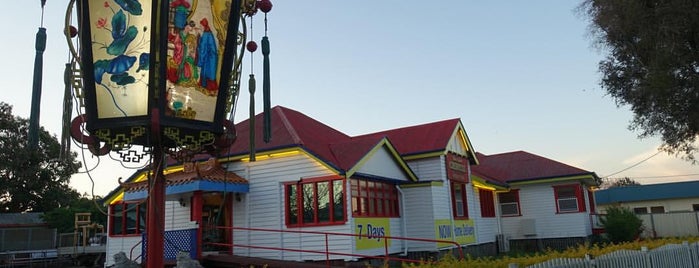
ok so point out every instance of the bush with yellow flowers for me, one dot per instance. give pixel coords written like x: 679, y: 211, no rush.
x: 574, y: 252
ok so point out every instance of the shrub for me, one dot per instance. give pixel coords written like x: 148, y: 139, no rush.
x: 621, y: 224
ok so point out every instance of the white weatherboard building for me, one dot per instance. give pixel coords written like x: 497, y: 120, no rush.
x: 313, y: 189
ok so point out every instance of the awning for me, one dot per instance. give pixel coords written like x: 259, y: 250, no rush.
x: 206, y: 176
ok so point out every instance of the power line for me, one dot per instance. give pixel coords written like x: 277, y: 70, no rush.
x: 634, y: 165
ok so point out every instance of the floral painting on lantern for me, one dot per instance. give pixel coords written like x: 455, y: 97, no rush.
x: 120, y: 46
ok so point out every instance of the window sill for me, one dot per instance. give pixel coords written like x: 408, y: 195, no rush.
x: 314, y: 224
x: 511, y: 216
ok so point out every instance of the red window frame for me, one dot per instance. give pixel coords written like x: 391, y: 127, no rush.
x: 119, y: 214
x: 374, y: 199
x: 461, y: 186
x: 487, y: 202
x: 558, y: 190
x: 296, y: 205
x: 512, y: 194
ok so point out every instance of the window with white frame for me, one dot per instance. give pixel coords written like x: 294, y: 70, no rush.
x: 569, y: 198
x: 509, y: 203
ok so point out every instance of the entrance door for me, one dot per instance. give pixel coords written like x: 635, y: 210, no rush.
x: 216, y: 221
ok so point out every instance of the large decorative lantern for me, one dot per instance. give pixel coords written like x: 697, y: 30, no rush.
x: 161, y: 74
x: 157, y: 72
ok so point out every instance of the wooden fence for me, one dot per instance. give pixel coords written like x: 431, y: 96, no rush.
x: 671, y: 255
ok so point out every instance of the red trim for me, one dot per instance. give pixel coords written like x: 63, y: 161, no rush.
x: 514, y: 192
x: 487, y: 203
x: 464, y: 202
x: 124, y: 210
x: 579, y: 196
x: 330, y: 180
x: 377, y: 195
x: 197, y: 202
x: 457, y: 167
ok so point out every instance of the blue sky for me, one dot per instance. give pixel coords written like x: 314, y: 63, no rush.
x: 521, y: 75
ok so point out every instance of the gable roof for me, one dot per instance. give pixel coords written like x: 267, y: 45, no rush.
x: 289, y: 129
x: 424, y: 138
x: 521, y: 166
x: 672, y: 190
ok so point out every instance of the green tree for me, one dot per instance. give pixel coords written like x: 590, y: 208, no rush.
x: 63, y: 218
x: 621, y: 224
x: 32, y: 180
x: 623, y: 182
x: 652, y: 65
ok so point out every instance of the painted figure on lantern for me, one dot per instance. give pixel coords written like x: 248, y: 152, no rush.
x: 208, y: 58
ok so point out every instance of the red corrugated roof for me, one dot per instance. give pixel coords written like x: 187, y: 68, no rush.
x: 348, y: 153
x: 291, y: 128
x: 418, y: 139
x: 520, y: 166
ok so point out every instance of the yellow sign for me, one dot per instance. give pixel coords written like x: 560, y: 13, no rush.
x: 372, y: 232
x: 463, y: 232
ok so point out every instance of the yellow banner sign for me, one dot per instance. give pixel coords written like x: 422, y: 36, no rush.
x: 372, y: 232
x: 463, y: 232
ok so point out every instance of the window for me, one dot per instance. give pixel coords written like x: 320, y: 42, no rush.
x: 487, y: 203
x: 314, y: 202
x: 569, y: 198
x: 458, y: 200
x: 509, y: 203
x: 695, y: 207
x: 127, y: 219
x: 658, y: 209
x: 641, y: 210
x: 374, y: 199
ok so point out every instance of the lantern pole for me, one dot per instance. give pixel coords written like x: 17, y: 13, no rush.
x: 155, y: 217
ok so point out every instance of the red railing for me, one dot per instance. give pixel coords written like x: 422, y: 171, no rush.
x: 386, y: 257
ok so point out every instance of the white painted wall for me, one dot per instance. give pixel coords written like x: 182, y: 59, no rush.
x: 429, y: 169
x: 486, y: 228
x: 538, y: 206
x: 419, y: 216
x: 263, y: 207
x: 670, y: 205
x: 382, y: 163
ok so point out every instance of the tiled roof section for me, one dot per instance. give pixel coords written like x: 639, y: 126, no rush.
x: 521, y: 166
x: 209, y: 170
x: 289, y: 128
x: 418, y: 139
x: 673, y: 190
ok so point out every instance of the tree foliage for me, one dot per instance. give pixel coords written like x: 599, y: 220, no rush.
x: 652, y: 65
x: 63, y: 218
x: 32, y: 180
x: 623, y: 182
x: 621, y: 224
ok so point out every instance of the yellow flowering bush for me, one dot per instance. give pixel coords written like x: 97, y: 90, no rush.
x: 574, y: 252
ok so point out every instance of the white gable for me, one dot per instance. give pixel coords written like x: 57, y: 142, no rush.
x: 381, y: 162
x: 457, y: 143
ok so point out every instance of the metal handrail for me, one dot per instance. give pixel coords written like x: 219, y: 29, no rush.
x: 327, y: 251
